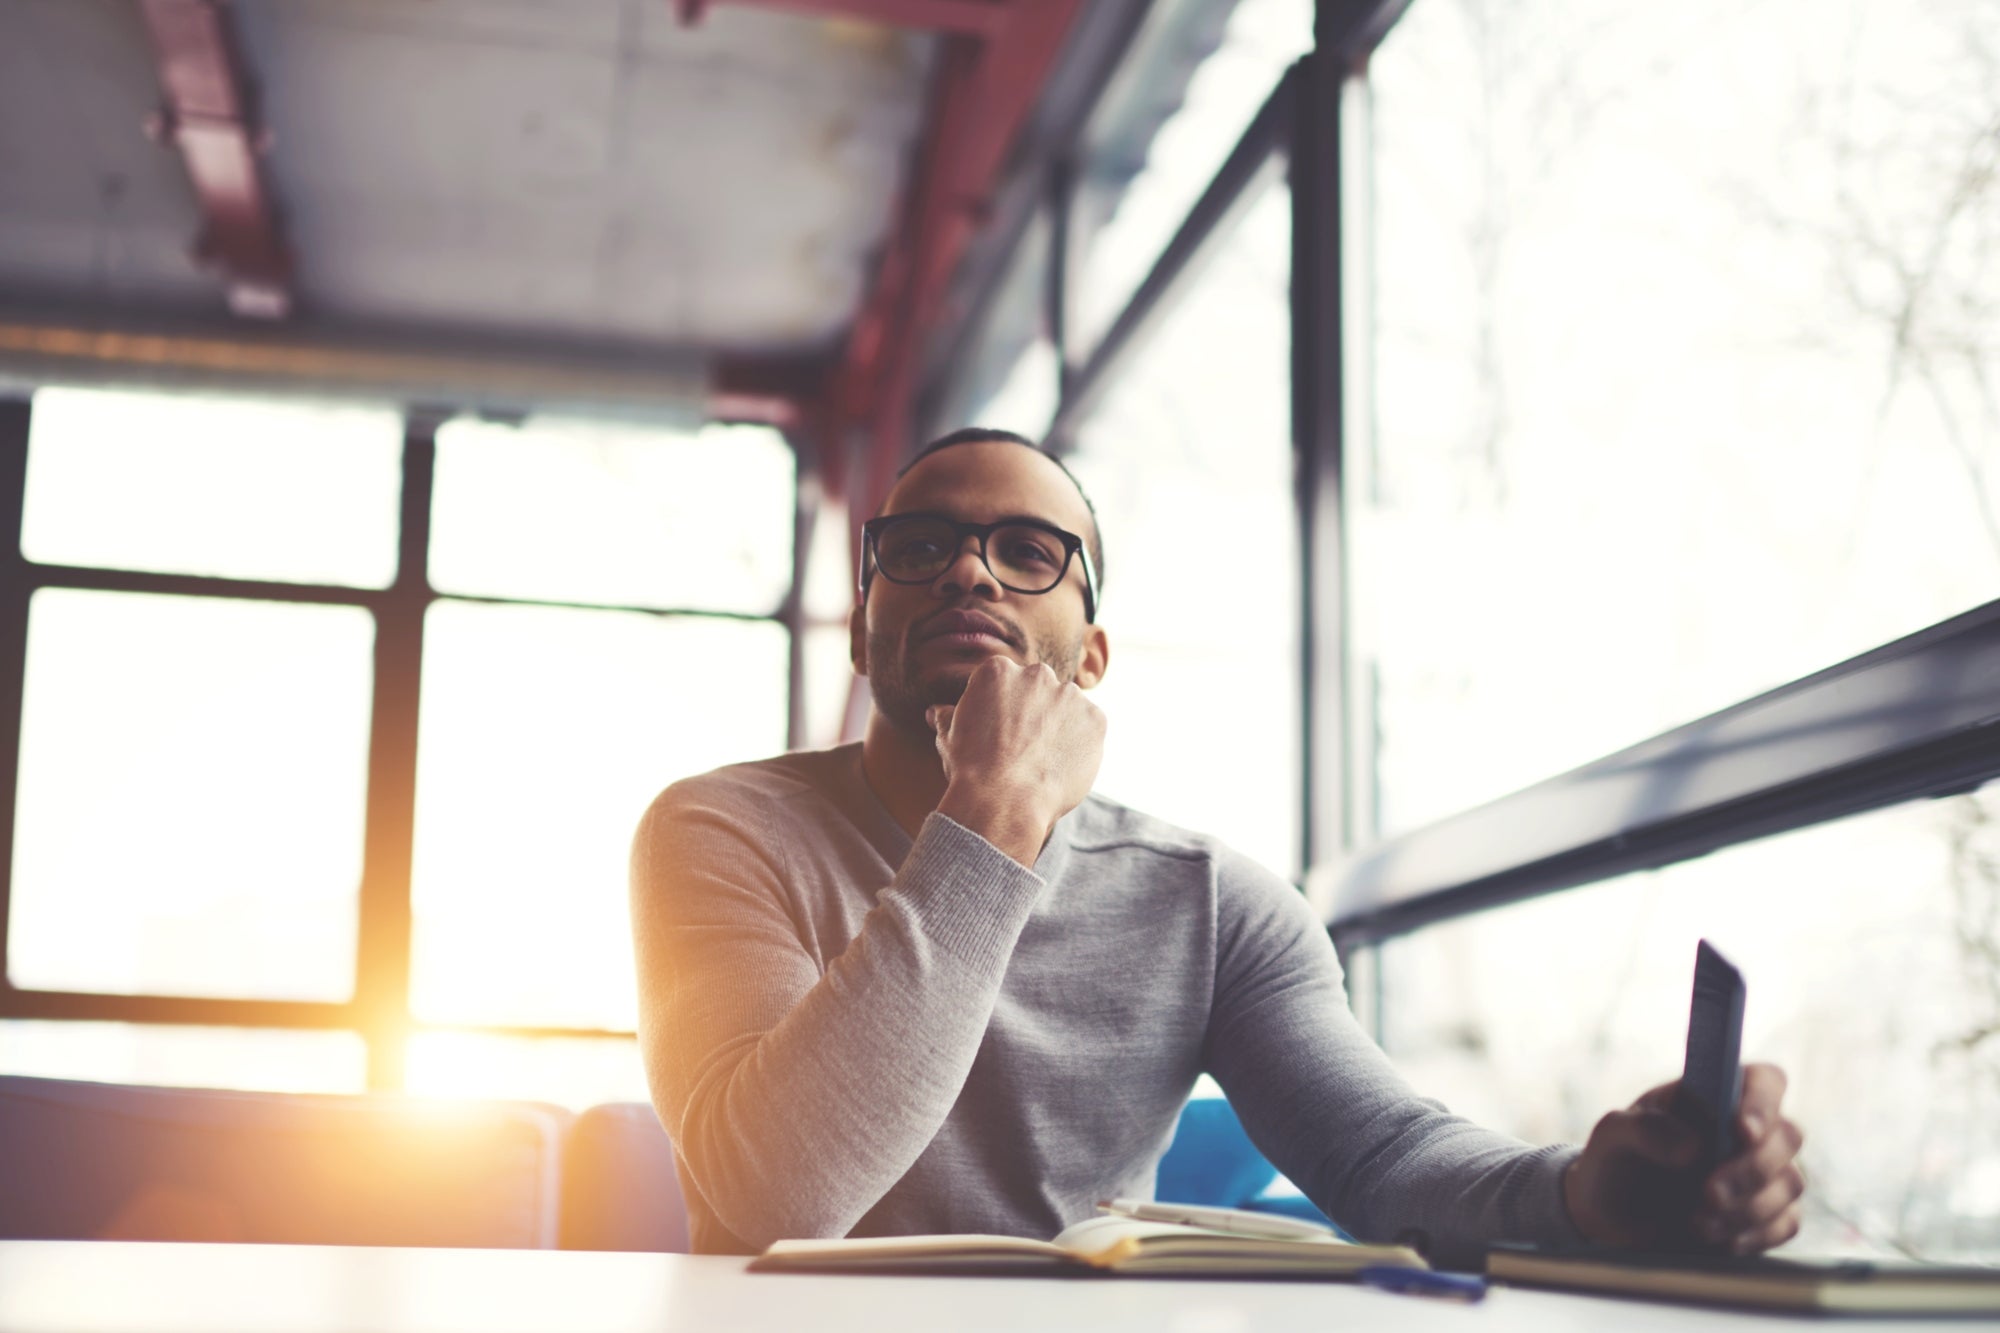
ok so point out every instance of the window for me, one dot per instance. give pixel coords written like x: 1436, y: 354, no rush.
x: 1678, y: 325
x: 263, y: 1060
x: 1124, y: 235
x: 1189, y: 464
x: 545, y: 733
x: 1871, y: 947
x: 192, y: 777
x: 577, y: 512
x: 225, y: 487
x: 201, y: 759
x: 1680, y: 320
x: 825, y: 600
x: 574, y: 1072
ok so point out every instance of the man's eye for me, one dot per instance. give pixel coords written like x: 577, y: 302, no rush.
x: 1030, y: 553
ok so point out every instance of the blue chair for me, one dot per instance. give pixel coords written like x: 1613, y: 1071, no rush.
x: 621, y: 1190
x: 84, y: 1161
x: 1212, y: 1161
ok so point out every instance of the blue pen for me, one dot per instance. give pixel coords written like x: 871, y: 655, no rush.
x: 1464, y: 1287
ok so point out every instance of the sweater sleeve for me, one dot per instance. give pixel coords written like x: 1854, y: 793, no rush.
x: 1323, y: 1102
x: 796, y: 1099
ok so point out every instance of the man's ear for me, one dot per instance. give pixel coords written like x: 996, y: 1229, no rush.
x: 1096, y: 658
x: 857, y: 638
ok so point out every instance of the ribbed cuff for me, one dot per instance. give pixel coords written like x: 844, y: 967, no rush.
x: 971, y: 897
x: 1538, y: 1210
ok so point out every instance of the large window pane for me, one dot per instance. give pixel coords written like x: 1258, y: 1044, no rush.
x: 1189, y: 464
x: 257, y: 1059
x: 1685, y: 367
x: 218, y: 486
x: 1261, y: 41
x: 573, y: 1072
x: 192, y: 783
x: 572, y: 512
x: 1870, y: 949
x: 1013, y: 316
x: 829, y: 682
x: 545, y: 733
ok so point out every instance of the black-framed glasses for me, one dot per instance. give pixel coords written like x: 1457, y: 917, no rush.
x: 1023, y: 555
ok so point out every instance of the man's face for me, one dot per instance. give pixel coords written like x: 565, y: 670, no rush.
x: 918, y: 643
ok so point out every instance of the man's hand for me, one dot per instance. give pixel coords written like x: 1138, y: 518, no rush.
x: 1637, y: 1182
x: 1020, y: 750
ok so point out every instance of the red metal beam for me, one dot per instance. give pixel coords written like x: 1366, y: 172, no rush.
x: 210, y: 115
x: 973, y: 18
x: 981, y: 97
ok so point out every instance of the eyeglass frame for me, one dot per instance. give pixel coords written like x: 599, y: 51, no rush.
x: 1073, y: 548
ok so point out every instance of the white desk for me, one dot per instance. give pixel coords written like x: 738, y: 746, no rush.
x: 114, y: 1287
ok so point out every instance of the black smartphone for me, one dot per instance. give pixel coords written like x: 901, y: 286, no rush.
x: 1712, y: 1081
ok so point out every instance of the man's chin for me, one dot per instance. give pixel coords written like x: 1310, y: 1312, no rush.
x: 945, y: 685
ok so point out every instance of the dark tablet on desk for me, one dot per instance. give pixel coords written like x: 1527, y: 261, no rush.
x: 1826, y: 1286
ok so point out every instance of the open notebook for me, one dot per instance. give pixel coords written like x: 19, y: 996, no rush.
x: 1103, y: 1246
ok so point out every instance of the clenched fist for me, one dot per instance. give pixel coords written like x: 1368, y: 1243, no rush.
x: 1021, y: 749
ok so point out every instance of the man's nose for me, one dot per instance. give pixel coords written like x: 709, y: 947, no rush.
x: 966, y: 572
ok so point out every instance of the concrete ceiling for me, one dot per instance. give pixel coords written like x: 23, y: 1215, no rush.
x: 548, y: 173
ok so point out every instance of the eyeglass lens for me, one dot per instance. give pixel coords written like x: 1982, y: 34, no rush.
x: 1025, y: 558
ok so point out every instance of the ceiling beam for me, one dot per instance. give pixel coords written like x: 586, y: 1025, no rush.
x: 209, y: 113
x: 972, y: 18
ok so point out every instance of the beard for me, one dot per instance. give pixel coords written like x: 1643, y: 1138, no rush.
x: 903, y: 693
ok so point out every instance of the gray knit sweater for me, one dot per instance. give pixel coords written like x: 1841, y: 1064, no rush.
x: 850, y: 1033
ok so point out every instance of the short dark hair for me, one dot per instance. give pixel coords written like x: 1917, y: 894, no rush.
x: 991, y: 435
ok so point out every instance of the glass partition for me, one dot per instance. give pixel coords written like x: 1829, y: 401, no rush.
x: 220, y: 486
x: 191, y: 787
x: 546, y: 732
x: 1682, y: 369
x: 1122, y: 234
x: 263, y: 1060
x: 198, y: 773
x: 586, y: 512
x: 1189, y: 463
x: 1871, y: 949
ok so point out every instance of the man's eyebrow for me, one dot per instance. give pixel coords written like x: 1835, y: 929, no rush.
x: 1031, y: 518
x: 1036, y: 519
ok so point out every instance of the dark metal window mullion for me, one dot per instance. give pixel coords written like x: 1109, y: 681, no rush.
x: 1059, y: 288
x: 382, y: 962
x: 1318, y: 441
x: 807, y: 494
x: 14, y: 420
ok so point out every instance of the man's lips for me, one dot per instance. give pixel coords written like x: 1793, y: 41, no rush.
x: 964, y: 629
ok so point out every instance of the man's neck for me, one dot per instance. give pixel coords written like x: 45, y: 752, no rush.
x: 904, y: 771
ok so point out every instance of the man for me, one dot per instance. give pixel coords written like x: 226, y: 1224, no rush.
x: 930, y: 983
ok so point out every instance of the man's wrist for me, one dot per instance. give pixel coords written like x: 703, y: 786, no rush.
x: 1576, y: 1202
x: 1003, y: 819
